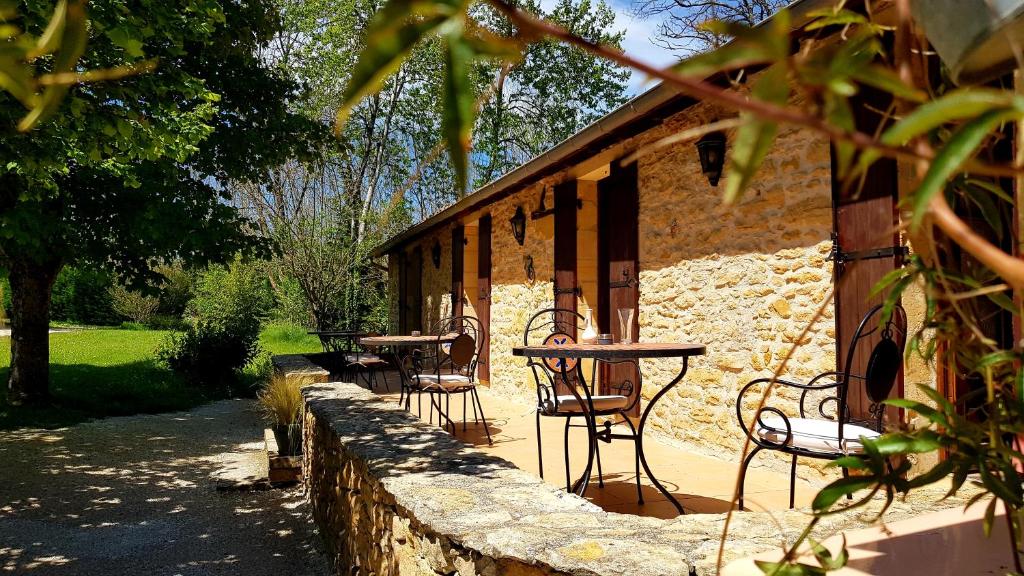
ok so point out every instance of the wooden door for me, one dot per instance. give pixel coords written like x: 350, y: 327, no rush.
x: 458, y: 259
x: 412, y: 292
x: 564, y: 283
x: 866, y: 248
x: 618, y: 212
x: 483, y: 304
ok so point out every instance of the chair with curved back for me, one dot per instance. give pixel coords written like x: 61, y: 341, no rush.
x: 460, y: 340
x: 562, y: 391
x: 366, y: 360
x: 832, y: 436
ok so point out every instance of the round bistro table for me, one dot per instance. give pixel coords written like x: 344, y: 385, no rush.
x: 634, y: 351
x: 330, y: 338
x: 414, y: 342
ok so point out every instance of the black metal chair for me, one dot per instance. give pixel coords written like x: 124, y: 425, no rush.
x: 562, y: 391
x: 460, y: 340
x: 832, y: 436
x: 367, y: 362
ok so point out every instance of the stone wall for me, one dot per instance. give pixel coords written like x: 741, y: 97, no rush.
x: 437, y: 280
x: 744, y: 279
x: 393, y: 495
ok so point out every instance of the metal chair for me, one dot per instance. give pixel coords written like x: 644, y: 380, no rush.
x: 366, y: 361
x: 460, y: 340
x: 562, y: 391
x: 836, y: 435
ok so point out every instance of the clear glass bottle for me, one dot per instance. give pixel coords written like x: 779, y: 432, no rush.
x: 589, y: 335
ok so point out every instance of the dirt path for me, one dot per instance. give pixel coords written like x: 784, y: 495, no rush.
x: 135, y: 495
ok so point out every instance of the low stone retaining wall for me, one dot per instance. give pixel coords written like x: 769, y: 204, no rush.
x: 393, y: 495
x: 300, y: 368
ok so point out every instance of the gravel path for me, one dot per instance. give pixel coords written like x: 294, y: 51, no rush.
x: 136, y: 495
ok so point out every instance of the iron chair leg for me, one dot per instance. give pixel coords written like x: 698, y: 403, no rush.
x: 792, y: 482
x: 600, y: 474
x: 540, y: 453
x: 487, y: 430
x: 743, y: 473
x: 464, y: 400
x: 568, y: 481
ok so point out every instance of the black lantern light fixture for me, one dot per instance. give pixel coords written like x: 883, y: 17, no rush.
x: 435, y: 254
x: 711, y: 149
x: 518, y: 221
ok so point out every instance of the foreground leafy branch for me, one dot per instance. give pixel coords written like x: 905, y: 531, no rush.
x: 939, y: 130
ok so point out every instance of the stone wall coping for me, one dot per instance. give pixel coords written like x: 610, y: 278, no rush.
x: 486, y: 504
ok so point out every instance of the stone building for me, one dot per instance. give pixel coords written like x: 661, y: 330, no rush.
x: 750, y: 281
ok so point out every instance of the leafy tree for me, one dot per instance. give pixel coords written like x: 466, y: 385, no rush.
x: 551, y: 93
x: 132, y: 174
x: 682, y: 22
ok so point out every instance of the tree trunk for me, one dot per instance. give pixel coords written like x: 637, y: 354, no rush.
x: 31, y: 287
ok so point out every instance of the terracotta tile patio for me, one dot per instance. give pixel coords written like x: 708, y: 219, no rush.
x: 701, y: 484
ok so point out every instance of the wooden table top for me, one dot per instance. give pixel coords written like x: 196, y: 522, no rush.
x: 400, y: 340
x: 352, y: 333
x: 610, y: 351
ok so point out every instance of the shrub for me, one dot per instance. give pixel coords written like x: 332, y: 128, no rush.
x: 176, y: 289
x: 228, y: 308
x: 82, y: 295
x: 166, y: 322
x: 291, y: 306
x: 208, y: 354
x: 138, y: 307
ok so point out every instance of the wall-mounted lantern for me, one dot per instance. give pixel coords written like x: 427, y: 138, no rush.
x: 435, y: 254
x: 518, y: 221
x: 711, y: 149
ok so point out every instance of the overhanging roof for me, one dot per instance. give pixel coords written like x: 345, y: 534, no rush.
x: 634, y: 116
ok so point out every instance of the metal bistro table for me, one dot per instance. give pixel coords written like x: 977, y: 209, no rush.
x: 634, y: 351
x: 330, y: 339
x: 399, y: 341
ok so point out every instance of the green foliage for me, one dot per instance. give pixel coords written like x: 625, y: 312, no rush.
x: 81, y: 295
x: 290, y: 305
x: 228, y: 309
x: 133, y: 304
x: 63, y: 38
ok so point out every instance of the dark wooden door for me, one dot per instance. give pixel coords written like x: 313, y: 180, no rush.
x: 618, y: 212
x: 565, y: 252
x: 483, y: 303
x: 867, y: 242
x: 458, y: 260
x: 412, y: 297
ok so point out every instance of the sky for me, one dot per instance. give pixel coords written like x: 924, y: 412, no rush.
x: 637, y: 42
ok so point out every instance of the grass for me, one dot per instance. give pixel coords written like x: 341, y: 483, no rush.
x: 96, y: 373
x: 288, y: 339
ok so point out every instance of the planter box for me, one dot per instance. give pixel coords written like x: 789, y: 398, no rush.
x: 281, y: 469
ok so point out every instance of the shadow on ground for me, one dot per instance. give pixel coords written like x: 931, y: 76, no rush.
x: 134, y: 495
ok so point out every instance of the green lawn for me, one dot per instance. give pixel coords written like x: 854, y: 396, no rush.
x: 109, y: 372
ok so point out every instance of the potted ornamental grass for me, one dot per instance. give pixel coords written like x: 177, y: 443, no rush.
x: 282, y: 404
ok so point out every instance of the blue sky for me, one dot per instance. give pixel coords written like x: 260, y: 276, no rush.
x: 637, y: 42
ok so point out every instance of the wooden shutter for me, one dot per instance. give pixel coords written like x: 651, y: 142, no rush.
x: 866, y: 241
x: 618, y: 213
x: 414, y: 285
x: 483, y: 304
x: 458, y: 259
x: 565, y: 250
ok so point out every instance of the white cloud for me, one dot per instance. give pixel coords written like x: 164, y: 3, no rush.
x: 637, y: 43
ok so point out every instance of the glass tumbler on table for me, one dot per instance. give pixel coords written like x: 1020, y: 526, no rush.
x: 626, y: 325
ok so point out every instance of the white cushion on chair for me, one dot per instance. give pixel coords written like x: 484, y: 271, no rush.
x: 818, y: 435
x: 569, y: 403
x: 446, y: 380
